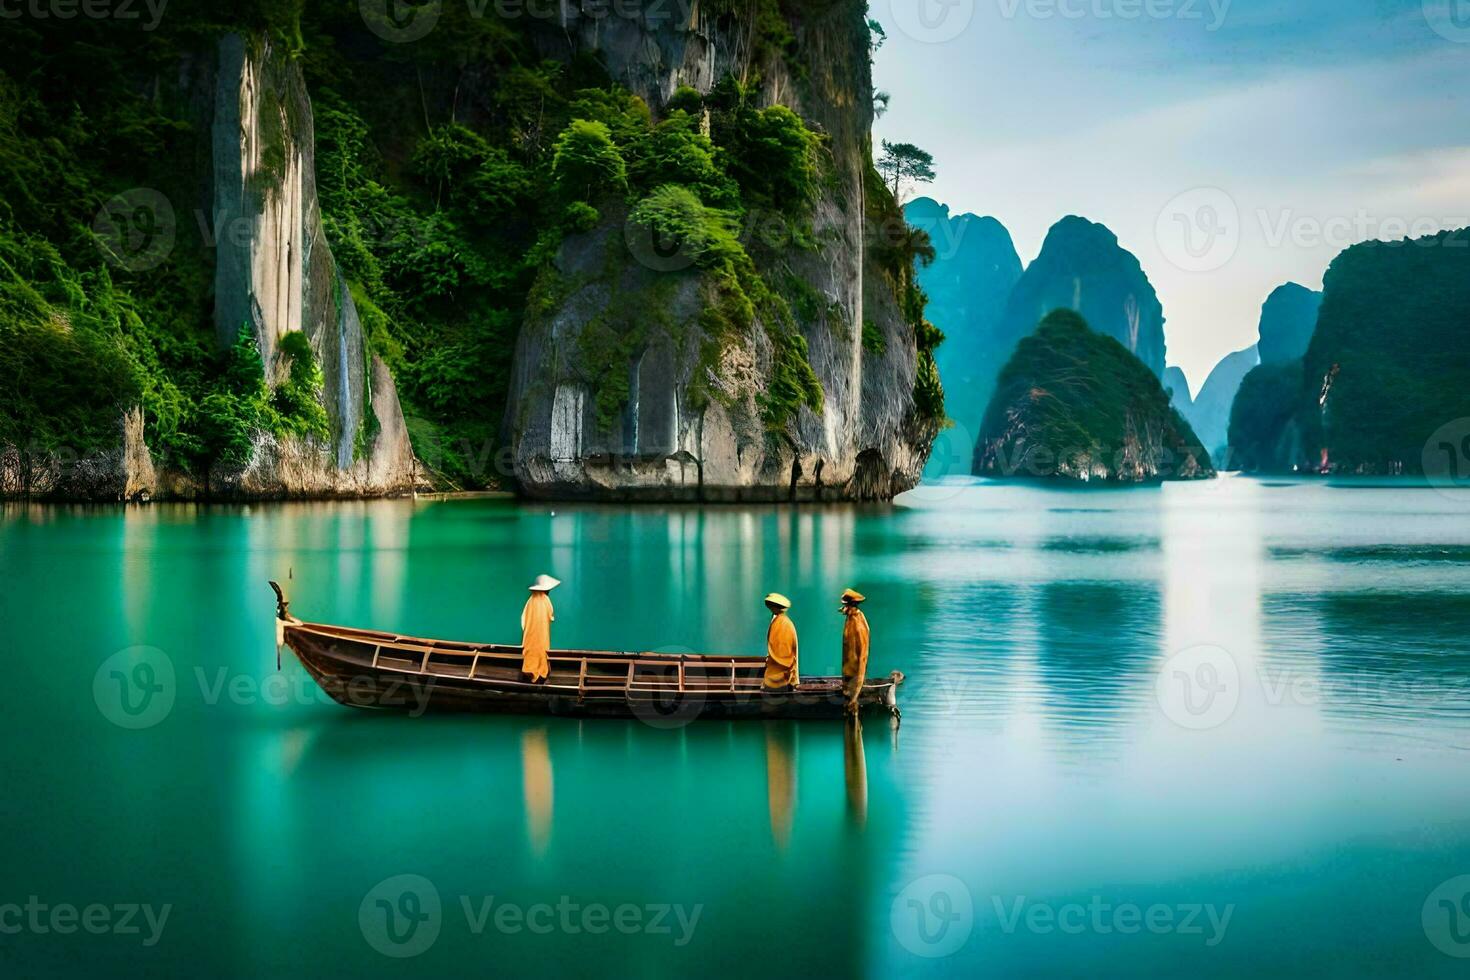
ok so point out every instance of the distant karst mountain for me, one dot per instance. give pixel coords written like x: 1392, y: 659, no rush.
x: 1074, y: 404
x: 1177, y: 385
x: 1083, y: 268
x: 1288, y: 318
x: 1287, y: 321
x: 968, y: 283
x: 1386, y: 370
x: 1210, y: 413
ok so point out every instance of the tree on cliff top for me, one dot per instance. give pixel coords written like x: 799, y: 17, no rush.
x: 905, y: 163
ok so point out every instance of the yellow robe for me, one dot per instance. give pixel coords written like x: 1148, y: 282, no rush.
x: 854, y: 654
x: 536, y: 620
x: 781, y: 653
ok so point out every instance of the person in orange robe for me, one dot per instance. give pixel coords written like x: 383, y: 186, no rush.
x: 781, y: 672
x: 536, y: 620
x: 854, y: 648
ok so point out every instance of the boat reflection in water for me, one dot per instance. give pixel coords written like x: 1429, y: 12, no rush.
x: 855, y: 772
x: 536, y: 786
x: 780, y: 780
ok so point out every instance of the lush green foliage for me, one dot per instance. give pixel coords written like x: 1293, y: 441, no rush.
x: 1387, y: 365
x: 448, y: 254
x: 873, y: 341
x: 93, y: 320
x: 1391, y: 333
x: 586, y: 165
x: 86, y: 329
x: 1069, y: 393
x: 708, y: 236
x: 448, y: 172
x: 297, y: 400
x: 677, y: 217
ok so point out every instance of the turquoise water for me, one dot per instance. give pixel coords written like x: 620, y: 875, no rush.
x: 1211, y: 729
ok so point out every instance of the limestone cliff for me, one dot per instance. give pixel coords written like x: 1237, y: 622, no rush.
x: 1382, y: 385
x: 1257, y: 417
x: 1083, y: 268
x: 971, y: 278
x: 1073, y: 404
x: 1177, y: 385
x: 1288, y: 319
x: 1210, y: 413
x: 691, y: 425
x: 275, y: 272
x: 228, y: 193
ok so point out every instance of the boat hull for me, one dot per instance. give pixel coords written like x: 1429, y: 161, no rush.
x: 417, y: 677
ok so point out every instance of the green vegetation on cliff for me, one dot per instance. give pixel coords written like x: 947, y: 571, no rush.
x: 1387, y: 365
x: 105, y: 281
x: 1391, y: 337
x: 82, y: 334
x: 448, y: 173
x: 1074, y: 403
x: 1260, y: 418
x: 450, y: 170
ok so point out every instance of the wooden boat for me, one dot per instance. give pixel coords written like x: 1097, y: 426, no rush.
x: 372, y: 669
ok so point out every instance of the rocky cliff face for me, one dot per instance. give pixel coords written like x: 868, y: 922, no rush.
x: 691, y: 426
x: 275, y: 273
x: 1177, y: 385
x: 250, y: 178
x: 1073, y: 404
x: 971, y: 278
x: 1288, y: 320
x: 1083, y: 268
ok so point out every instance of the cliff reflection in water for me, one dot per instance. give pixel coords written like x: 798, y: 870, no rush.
x: 1033, y: 757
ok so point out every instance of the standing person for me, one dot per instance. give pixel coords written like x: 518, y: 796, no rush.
x: 781, y: 672
x: 536, y: 620
x: 854, y: 648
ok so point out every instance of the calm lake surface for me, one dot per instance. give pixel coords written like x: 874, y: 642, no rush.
x: 1216, y: 729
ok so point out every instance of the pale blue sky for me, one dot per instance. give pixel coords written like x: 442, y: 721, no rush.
x: 1291, y: 129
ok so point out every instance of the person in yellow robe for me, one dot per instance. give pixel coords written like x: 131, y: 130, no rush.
x: 781, y: 671
x: 854, y: 648
x: 536, y: 620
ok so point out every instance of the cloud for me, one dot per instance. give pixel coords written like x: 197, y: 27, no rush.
x: 1312, y: 153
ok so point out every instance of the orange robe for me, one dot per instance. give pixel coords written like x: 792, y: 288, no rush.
x: 536, y: 620
x: 854, y: 654
x: 781, y: 653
